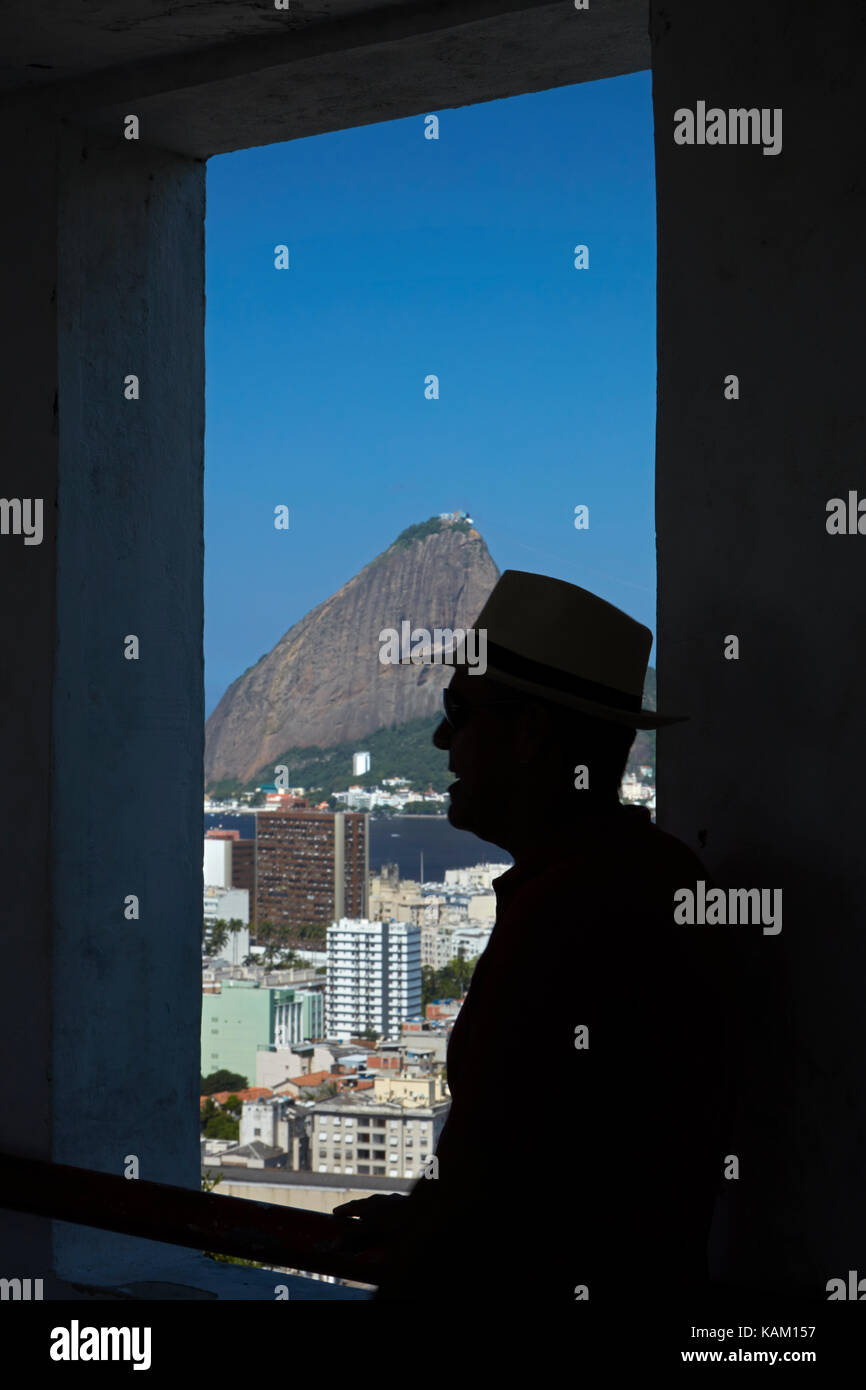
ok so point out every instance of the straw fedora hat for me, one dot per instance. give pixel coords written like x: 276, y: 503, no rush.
x: 558, y: 642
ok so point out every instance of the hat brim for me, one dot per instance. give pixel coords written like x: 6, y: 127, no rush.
x: 632, y: 719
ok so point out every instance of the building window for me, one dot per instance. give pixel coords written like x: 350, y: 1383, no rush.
x: 378, y: 1153
x: 379, y: 1170
x: 364, y: 1168
x: 363, y: 1153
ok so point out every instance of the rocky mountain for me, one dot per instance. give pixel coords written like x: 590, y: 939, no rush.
x: 323, y: 682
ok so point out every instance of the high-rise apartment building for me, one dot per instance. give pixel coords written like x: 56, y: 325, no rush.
x: 374, y: 977
x: 218, y: 846
x: 244, y: 868
x: 311, y: 866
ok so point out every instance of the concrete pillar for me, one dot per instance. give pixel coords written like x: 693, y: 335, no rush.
x: 103, y: 271
x: 761, y: 274
x: 28, y: 405
x: 128, y: 733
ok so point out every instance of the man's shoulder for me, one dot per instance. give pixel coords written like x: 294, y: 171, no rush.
x: 627, y: 851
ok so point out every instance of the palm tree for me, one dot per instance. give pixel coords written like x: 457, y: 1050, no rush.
x: 219, y: 935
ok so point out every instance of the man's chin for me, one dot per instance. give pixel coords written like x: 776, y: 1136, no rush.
x: 464, y: 813
x: 460, y: 809
x: 456, y: 806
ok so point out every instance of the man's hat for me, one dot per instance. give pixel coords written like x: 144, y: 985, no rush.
x: 558, y: 642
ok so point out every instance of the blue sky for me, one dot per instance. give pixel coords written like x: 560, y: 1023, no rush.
x: 408, y: 257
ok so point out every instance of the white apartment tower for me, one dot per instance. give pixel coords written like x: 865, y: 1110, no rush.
x: 374, y: 977
x: 217, y: 863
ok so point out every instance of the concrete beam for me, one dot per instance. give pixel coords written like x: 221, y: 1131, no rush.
x: 355, y: 66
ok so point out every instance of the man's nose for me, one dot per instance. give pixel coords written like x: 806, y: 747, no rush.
x: 442, y: 736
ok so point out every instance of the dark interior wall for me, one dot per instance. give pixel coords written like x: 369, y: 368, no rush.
x: 761, y: 274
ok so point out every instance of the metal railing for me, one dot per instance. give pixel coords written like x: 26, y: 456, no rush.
x: 274, y: 1235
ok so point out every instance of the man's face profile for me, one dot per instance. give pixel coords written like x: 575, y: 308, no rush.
x: 514, y: 759
x: 485, y: 745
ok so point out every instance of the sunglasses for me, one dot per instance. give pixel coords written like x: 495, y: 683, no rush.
x: 457, y: 710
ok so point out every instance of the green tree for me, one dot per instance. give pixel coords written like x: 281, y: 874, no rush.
x: 208, y: 1111
x: 223, y: 1080
x: 428, y: 986
x: 451, y: 982
x: 222, y: 1127
x: 216, y: 938
x: 265, y: 931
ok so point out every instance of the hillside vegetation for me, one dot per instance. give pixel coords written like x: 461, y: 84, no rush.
x: 403, y: 750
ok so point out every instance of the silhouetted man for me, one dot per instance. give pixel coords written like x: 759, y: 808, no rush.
x: 582, y: 1149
